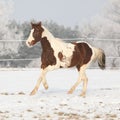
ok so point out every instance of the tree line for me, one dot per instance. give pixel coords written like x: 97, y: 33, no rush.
x: 106, y: 25
x: 19, y: 50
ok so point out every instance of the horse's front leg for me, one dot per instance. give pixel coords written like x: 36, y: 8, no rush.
x: 41, y: 79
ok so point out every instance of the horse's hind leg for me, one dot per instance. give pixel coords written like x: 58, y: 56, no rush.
x: 44, y: 82
x: 85, y: 81
x: 75, y: 85
x: 82, y: 76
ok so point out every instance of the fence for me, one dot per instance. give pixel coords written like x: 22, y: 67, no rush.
x: 15, y: 53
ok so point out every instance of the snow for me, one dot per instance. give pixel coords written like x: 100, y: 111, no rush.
x: 102, y: 101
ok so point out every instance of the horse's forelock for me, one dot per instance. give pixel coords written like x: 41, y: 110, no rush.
x: 34, y: 25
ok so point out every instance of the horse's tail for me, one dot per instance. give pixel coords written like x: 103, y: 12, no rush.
x: 99, y: 55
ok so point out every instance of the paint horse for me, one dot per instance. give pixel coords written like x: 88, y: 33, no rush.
x: 58, y: 54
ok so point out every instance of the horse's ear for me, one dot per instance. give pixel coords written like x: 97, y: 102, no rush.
x: 32, y: 24
x: 39, y: 23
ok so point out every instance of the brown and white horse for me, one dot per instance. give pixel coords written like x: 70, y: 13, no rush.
x: 58, y: 54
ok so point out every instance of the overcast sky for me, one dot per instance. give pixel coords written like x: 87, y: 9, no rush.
x: 66, y: 12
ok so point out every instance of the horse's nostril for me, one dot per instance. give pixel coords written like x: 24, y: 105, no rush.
x: 29, y: 43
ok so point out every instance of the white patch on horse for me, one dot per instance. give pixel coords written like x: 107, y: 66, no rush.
x: 30, y: 38
x: 67, y: 55
x: 59, y: 46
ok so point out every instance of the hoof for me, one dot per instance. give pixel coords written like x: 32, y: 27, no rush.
x: 83, y: 95
x: 46, y: 87
x: 33, y: 92
x: 69, y: 92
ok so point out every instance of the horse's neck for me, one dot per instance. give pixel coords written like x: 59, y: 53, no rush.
x: 45, y: 44
x: 54, y: 42
x: 47, y: 34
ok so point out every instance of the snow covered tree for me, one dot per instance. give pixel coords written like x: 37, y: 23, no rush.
x: 6, y: 9
x: 112, y: 11
x: 105, y: 25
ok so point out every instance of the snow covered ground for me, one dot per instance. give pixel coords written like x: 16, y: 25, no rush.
x: 102, y: 101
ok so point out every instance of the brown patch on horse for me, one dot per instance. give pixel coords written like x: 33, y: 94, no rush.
x: 81, y: 55
x: 47, y: 56
x: 60, y: 56
x: 76, y: 58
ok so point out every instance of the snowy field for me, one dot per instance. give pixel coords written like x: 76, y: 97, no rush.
x: 102, y: 101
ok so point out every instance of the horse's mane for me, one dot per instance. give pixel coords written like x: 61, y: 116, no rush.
x: 48, y: 34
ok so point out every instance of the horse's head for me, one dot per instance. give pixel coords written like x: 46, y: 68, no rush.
x: 35, y: 34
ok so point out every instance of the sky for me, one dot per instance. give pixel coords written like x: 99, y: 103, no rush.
x: 64, y: 12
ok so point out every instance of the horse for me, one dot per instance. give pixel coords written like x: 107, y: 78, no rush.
x: 58, y: 54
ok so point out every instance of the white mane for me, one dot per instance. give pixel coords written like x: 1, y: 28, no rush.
x: 49, y: 35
